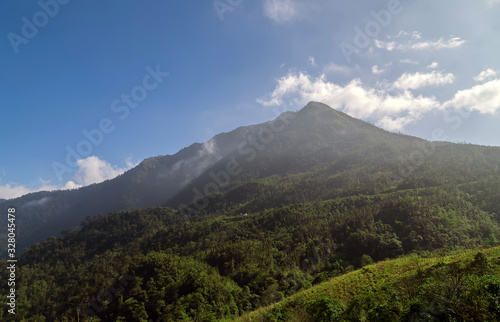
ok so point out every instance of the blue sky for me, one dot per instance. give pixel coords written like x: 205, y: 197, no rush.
x: 143, y: 79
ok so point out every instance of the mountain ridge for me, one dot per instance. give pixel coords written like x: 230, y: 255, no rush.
x: 150, y: 183
x: 317, y: 142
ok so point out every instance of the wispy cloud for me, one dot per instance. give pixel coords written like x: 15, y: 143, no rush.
x: 433, y: 65
x: 194, y: 166
x: 376, y: 70
x: 415, y: 42
x: 408, y: 61
x: 37, y: 203
x: 400, y: 34
x: 380, y: 70
x: 451, y: 43
x: 281, y: 11
x: 416, y: 35
x: 485, y: 75
x: 334, y: 68
x: 418, y: 80
x: 312, y: 61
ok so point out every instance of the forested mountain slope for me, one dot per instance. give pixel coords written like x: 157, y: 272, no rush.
x: 150, y: 183
x: 217, y: 267
x: 285, y: 205
x: 323, y: 154
x: 317, y: 153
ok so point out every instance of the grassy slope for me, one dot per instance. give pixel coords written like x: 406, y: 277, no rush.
x: 346, y: 286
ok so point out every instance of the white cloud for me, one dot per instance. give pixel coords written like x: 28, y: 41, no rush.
x: 390, y: 46
x: 400, y: 34
x: 194, y: 166
x: 338, y: 69
x: 392, y: 112
x: 207, y: 148
x: 485, y: 75
x: 9, y: 191
x: 281, y: 11
x: 415, y: 43
x: 130, y: 164
x: 416, y: 35
x: 409, y: 61
x: 94, y: 170
x: 370, y: 51
x: 418, y: 80
x: 484, y: 98
x: 391, y: 106
x: 377, y: 70
x: 71, y: 185
x: 90, y: 170
x: 37, y: 203
x: 13, y: 190
x: 451, y: 43
x: 434, y: 65
x: 312, y: 61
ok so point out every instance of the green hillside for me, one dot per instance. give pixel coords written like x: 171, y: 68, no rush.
x: 461, y: 287
x: 217, y: 267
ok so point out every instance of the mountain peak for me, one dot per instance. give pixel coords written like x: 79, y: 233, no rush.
x: 321, y: 109
x: 321, y: 113
x: 316, y: 106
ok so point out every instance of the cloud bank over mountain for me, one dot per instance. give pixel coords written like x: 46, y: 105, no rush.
x: 390, y: 105
x: 90, y: 170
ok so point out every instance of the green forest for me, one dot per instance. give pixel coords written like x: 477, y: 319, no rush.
x: 459, y: 287
x: 152, y: 265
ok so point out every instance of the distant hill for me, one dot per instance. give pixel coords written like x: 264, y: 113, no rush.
x: 150, y: 183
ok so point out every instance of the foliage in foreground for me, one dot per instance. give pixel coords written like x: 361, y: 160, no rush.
x: 453, y: 288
